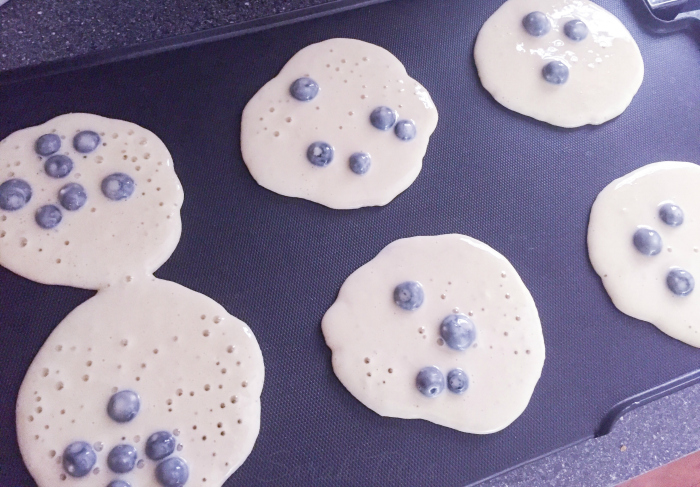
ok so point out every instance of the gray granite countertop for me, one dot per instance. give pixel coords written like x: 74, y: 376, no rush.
x: 37, y: 31
x: 645, y: 438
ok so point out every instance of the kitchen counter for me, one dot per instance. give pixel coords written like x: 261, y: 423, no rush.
x: 39, y: 31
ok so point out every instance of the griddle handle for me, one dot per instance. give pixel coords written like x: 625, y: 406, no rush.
x: 624, y: 407
x: 671, y: 16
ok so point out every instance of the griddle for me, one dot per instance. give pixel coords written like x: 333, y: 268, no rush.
x: 522, y: 186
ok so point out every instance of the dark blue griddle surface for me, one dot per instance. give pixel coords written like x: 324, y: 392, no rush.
x: 521, y: 186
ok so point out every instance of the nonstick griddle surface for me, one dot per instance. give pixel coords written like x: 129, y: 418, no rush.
x: 521, y: 186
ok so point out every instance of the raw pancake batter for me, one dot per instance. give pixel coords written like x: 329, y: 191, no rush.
x: 342, y: 125
x: 643, y: 243
x: 565, y: 62
x: 197, y: 370
x: 438, y: 328
x: 147, y: 383
x: 99, y: 239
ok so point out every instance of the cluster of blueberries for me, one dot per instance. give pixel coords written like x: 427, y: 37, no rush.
x: 457, y: 331
x: 80, y: 457
x: 648, y: 242
x: 537, y: 24
x: 383, y: 118
x: 15, y: 193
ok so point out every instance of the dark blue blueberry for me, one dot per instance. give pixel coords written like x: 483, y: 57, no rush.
x: 48, y: 216
x: 430, y: 381
x: 118, y: 186
x: 14, y: 194
x: 86, y: 141
x: 575, y: 30
x: 304, y: 89
x: 457, y: 381
x: 58, y: 166
x: 647, y: 241
x: 78, y: 459
x: 680, y: 282
x: 458, y: 331
x: 47, y: 144
x: 671, y: 214
x: 72, y: 196
x: 159, y: 445
x: 555, y: 72
x: 409, y: 295
x: 172, y: 472
x: 382, y: 118
x: 360, y: 162
x: 118, y: 483
x: 536, y: 24
x: 122, y: 459
x: 123, y: 406
x: 320, y: 154
x: 405, y: 129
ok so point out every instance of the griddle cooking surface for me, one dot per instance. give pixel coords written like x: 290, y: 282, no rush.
x: 521, y: 186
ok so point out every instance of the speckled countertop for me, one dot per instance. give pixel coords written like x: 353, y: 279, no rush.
x: 37, y: 31
x: 645, y: 438
x: 33, y: 32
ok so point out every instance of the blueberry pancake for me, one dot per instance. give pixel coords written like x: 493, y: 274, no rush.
x: 438, y: 328
x: 147, y: 383
x: 565, y: 62
x: 86, y: 200
x: 643, y: 243
x: 342, y: 125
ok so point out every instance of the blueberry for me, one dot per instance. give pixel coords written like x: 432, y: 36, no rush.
x: 118, y: 483
x: 122, y: 459
x: 409, y: 295
x: 536, y: 24
x: 159, y: 445
x: 72, y: 196
x: 48, y: 216
x: 360, y: 162
x: 58, y: 166
x: 47, y: 144
x: 555, y: 72
x: 680, y: 282
x: 671, y: 214
x: 304, y: 89
x: 86, y: 141
x: 382, y: 118
x: 430, y: 381
x: 118, y: 186
x: 14, y: 194
x: 405, y: 129
x: 575, y: 30
x: 123, y: 406
x: 172, y: 472
x: 78, y: 459
x: 458, y: 331
x: 457, y: 381
x: 320, y: 154
x: 647, y: 241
